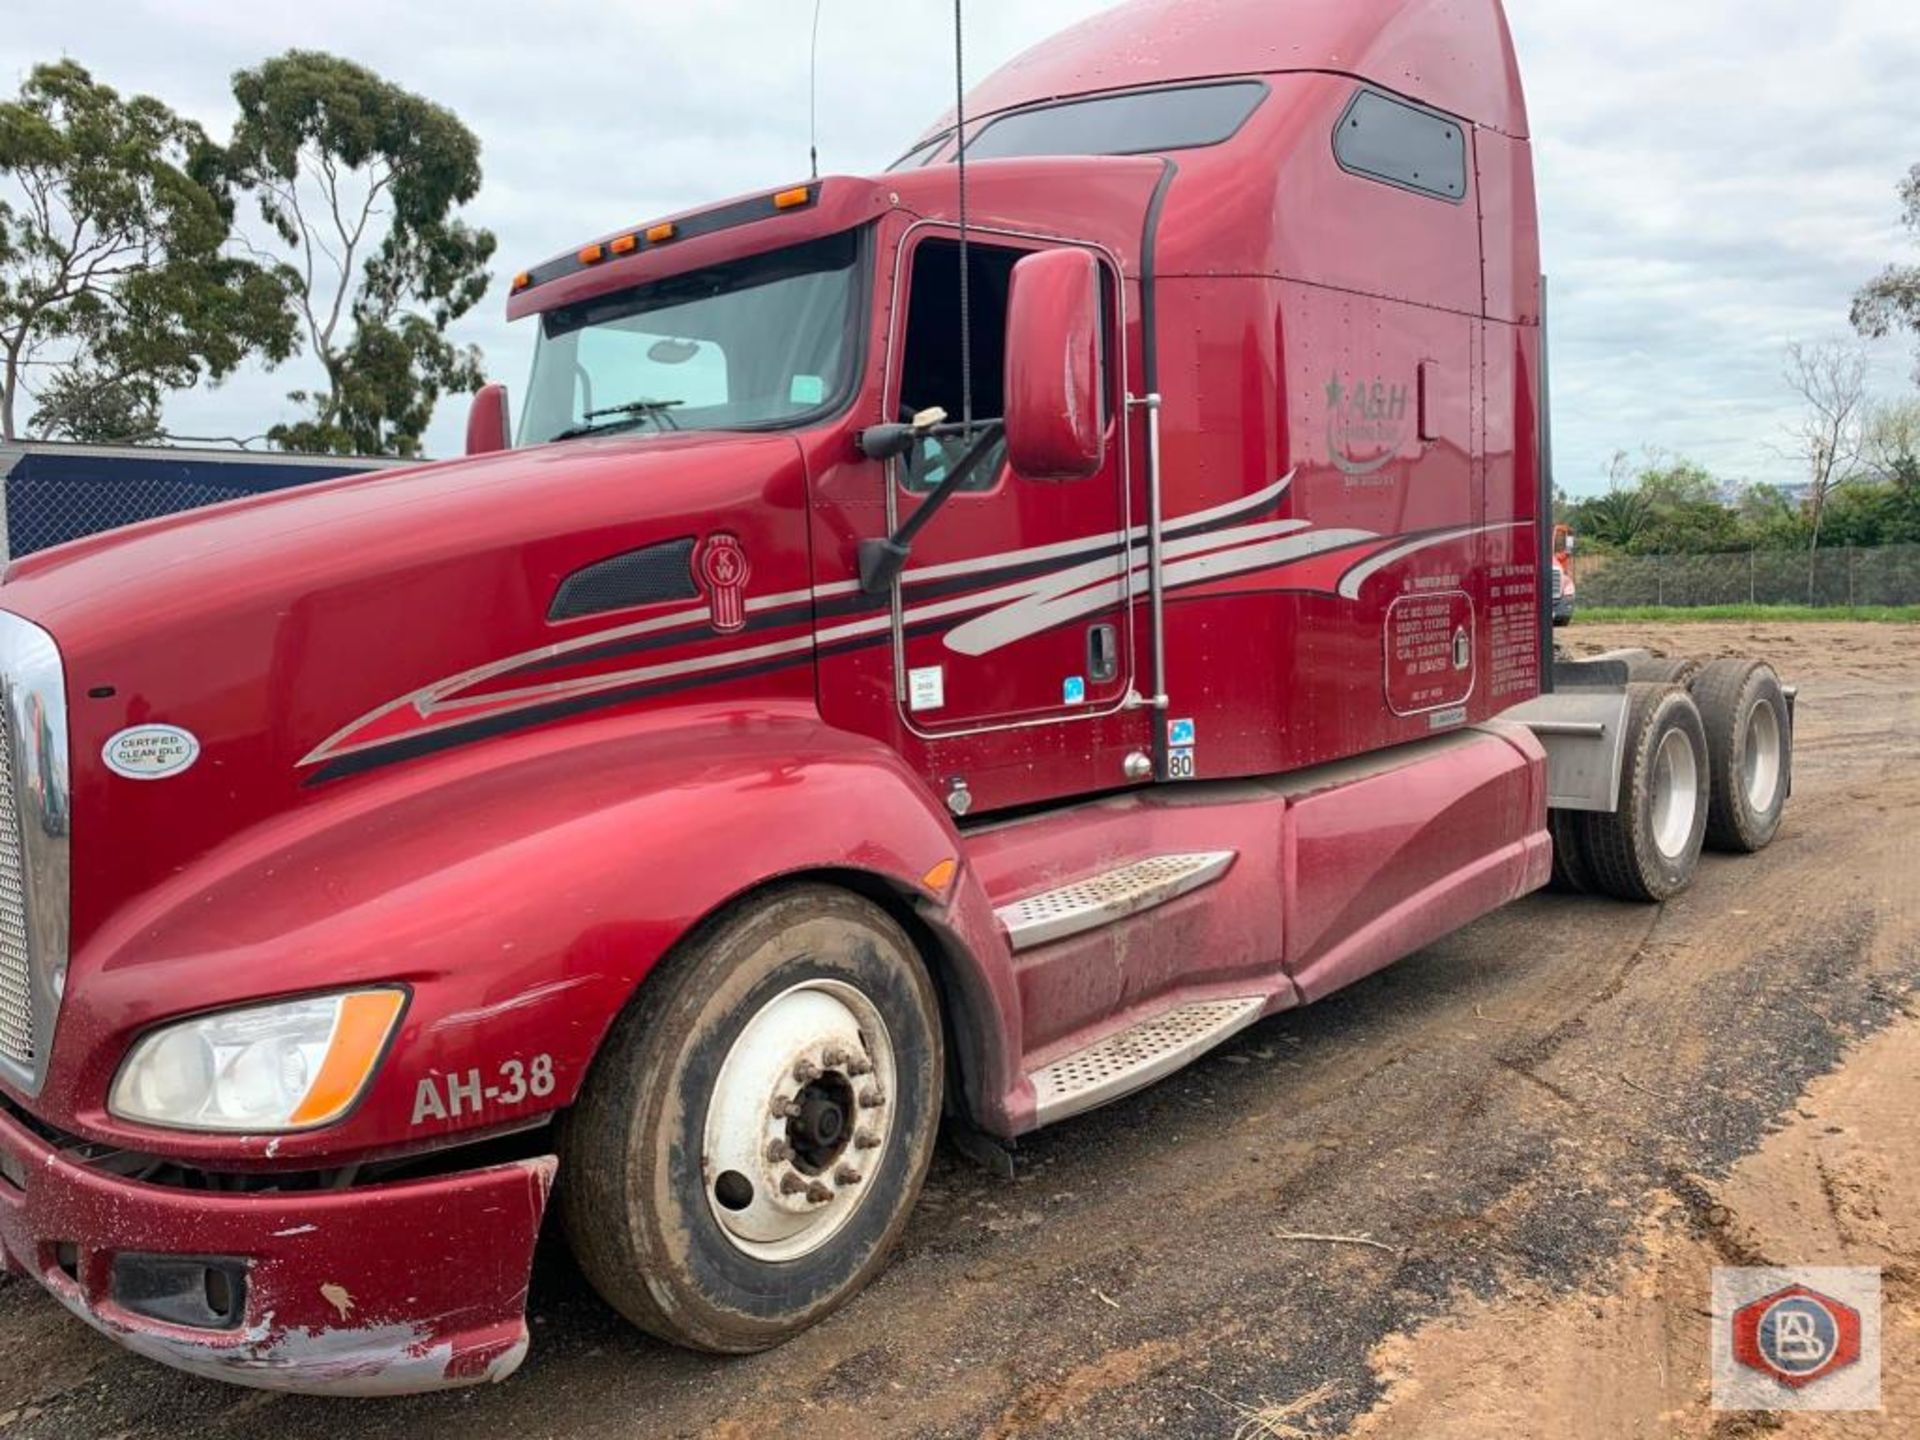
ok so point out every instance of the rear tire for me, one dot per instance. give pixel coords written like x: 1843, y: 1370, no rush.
x: 697, y: 1211
x: 1663, y: 670
x: 1648, y: 848
x: 1749, y: 752
x: 1572, y: 874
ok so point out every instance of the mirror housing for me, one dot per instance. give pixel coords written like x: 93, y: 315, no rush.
x: 1055, y: 429
x: 488, y: 428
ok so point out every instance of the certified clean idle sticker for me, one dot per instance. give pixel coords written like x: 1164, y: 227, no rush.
x: 151, y: 752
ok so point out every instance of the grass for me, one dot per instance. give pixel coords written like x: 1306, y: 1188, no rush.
x: 1680, y: 615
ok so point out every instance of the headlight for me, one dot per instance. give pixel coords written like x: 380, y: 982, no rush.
x: 290, y: 1066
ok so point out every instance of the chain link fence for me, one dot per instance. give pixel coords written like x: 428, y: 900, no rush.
x: 54, y: 493
x: 1836, y: 576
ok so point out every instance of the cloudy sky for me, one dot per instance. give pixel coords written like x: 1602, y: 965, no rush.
x: 1717, y: 177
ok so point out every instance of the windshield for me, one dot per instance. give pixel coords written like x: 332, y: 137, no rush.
x: 754, y: 344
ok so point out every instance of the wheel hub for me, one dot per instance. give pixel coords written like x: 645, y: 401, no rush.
x: 798, y: 1119
x: 1676, y: 798
x: 1762, y: 758
x: 818, y: 1134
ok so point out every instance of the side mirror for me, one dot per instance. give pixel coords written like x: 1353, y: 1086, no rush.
x: 487, y: 421
x: 1055, y: 430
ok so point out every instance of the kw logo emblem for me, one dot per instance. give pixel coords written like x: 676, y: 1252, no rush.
x: 1366, y: 424
x: 722, y: 570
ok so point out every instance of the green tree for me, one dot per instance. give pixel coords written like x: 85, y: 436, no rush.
x: 1769, y: 520
x: 1893, y: 301
x: 1614, y: 521
x: 1688, y: 517
x: 115, y: 287
x: 359, y: 179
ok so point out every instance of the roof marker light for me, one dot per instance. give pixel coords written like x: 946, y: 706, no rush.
x: 794, y: 198
x: 593, y: 254
x: 523, y: 280
x: 660, y: 234
x: 626, y: 244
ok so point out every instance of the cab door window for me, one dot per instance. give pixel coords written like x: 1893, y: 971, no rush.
x: 930, y: 366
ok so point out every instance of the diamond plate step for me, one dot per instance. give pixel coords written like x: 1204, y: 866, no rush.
x: 1137, y: 1056
x: 1102, y: 899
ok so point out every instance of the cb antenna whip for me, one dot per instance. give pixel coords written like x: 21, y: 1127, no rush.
x: 813, y: 94
x: 960, y: 142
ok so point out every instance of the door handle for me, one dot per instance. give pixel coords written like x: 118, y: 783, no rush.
x: 1103, y: 653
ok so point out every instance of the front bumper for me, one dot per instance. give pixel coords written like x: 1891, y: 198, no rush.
x: 378, y: 1290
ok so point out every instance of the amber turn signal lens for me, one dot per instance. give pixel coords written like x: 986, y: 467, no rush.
x: 359, y: 1037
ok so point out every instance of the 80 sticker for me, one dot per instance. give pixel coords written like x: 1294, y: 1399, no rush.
x: 455, y: 1095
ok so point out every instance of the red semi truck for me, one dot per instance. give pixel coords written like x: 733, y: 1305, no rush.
x: 856, y: 699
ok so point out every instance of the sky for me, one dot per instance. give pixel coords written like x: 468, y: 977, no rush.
x: 1717, y: 177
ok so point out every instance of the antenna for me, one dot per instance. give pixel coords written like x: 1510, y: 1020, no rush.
x: 960, y: 140
x: 813, y: 94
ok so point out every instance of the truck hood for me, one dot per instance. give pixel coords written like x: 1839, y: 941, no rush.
x: 264, y: 627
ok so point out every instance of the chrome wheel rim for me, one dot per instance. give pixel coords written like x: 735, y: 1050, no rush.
x: 799, y: 1120
x: 1760, y: 763
x: 1676, y: 797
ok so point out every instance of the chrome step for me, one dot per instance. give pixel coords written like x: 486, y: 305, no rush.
x: 1102, y: 899
x: 1137, y: 1056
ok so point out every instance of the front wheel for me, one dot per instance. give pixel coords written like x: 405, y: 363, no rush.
x: 749, y: 1144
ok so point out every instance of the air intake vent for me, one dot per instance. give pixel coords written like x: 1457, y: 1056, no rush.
x: 16, y: 964
x: 639, y: 577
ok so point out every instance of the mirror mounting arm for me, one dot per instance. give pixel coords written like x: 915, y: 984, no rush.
x: 882, y: 560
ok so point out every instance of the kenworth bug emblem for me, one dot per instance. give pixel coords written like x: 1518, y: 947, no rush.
x: 721, y: 570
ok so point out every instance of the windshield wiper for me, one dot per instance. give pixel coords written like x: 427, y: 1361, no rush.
x: 633, y: 412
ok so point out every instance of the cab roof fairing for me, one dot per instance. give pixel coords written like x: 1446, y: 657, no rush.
x: 1452, y: 55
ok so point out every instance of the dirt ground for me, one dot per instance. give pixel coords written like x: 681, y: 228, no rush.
x: 1552, y: 1125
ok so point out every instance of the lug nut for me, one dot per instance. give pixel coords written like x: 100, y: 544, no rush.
x: 778, y: 1150
x: 805, y: 1072
x: 819, y: 1192
x: 833, y: 1057
x: 871, y: 1098
x: 859, y: 1065
x: 792, y: 1184
x: 784, y: 1109
x: 847, y: 1175
x: 866, y: 1140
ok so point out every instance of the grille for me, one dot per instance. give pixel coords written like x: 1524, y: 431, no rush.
x: 16, y: 965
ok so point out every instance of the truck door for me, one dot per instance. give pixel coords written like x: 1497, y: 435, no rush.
x: 1016, y: 606
x: 1009, y: 657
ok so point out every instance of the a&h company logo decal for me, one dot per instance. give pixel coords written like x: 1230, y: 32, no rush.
x: 1368, y: 423
x: 1806, y: 1339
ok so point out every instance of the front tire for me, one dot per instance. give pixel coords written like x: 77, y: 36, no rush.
x: 749, y: 1144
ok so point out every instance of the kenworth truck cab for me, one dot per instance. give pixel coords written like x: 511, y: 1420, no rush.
x: 855, y: 699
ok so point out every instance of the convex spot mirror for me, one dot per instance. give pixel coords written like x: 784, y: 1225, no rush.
x: 488, y: 429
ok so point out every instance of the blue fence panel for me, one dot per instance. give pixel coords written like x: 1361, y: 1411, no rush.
x: 56, y: 493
